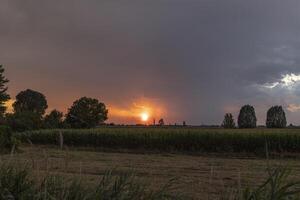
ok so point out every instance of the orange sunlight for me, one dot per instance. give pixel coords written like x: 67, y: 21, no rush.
x: 9, y: 104
x: 141, y: 111
x: 144, y: 117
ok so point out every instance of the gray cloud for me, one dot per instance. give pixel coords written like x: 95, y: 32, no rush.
x: 201, y: 58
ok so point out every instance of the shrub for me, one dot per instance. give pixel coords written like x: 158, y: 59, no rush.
x: 228, y: 121
x: 247, y: 117
x: 276, y: 117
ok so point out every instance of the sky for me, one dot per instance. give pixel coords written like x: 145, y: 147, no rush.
x: 181, y: 60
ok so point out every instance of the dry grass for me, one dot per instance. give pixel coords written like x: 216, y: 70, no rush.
x: 199, y: 177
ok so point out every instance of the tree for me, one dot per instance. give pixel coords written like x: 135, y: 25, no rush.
x: 4, y: 97
x: 228, y: 121
x: 30, y: 101
x: 247, y: 117
x: 86, y: 113
x: 161, y: 122
x: 54, y: 120
x: 276, y: 117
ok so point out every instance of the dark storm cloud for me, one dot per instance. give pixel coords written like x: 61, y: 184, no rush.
x: 201, y: 58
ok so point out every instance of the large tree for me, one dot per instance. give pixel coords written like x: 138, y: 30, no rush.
x: 276, y: 117
x: 86, y: 113
x: 4, y: 97
x: 30, y: 101
x: 247, y: 117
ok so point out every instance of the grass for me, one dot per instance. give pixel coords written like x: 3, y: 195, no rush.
x: 16, y: 183
x: 174, y: 139
x: 56, y: 174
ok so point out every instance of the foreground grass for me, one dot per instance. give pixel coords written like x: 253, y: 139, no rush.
x: 16, y: 183
x: 55, y: 174
x: 174, y: 139
x: 197, y: 177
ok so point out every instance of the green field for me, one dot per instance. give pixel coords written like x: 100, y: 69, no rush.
x: 205, y: 163
x: 190, y: 140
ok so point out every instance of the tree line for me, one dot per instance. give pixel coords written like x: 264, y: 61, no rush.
x: 276, y: 118
x: 30, y: 107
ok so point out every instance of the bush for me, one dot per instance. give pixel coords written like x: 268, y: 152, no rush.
x: 247, y: 117
x: 6, y: 139
x: 23, y: 121
x: 228, y: 121
x: 276, y: 117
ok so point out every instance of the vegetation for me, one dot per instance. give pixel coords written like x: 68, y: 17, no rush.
x: 228, y: 121
x: 161, y: 122
x: 6, y: 139
x: 247, y: 117
x: 23, y: 121
x: 276, y: 187
x: 4, y: 97
x: 30, y: 101
x: 20, y: 183
x: 276, y: 117
x: 86, y: 113
x: 54, y: 120
x: 174, y: 139
x: 17, y: 183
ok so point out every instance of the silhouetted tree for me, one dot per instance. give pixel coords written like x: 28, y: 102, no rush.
x: 183, y: 123
x: 276, y: 117
x: 54, y: 120
x: 161, y: 122
x: 86, y: 113
x: 4, y: 97
x: 30, y: 101
x: 247, y: 117
x: 228, y: 121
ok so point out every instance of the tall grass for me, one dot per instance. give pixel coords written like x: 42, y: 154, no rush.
x: 18, y: 183
x: 174, y: 139
x: 277, y: 186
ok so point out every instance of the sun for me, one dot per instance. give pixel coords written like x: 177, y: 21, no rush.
x: 144, y: 117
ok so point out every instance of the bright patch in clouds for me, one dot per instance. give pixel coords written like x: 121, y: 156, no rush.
x: 287, y: 81
x: 293, y: 107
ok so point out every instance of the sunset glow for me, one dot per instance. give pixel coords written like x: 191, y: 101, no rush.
x: 9, y: 104
x: 144, y: 117
x: 140, y: 110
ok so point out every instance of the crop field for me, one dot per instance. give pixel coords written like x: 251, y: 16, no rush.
x: 164, y: 139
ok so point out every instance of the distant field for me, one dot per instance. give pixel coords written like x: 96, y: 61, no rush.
x: 164, y: 139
